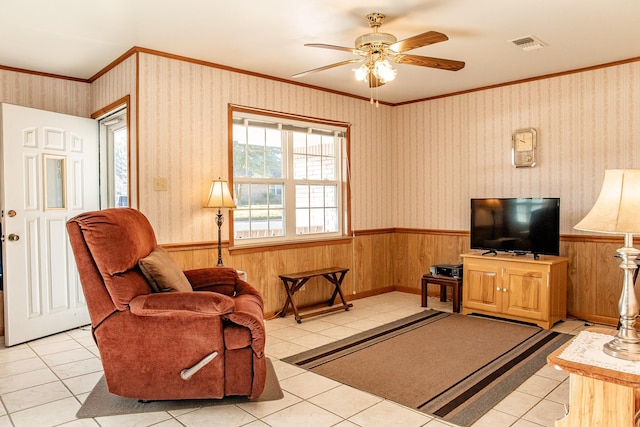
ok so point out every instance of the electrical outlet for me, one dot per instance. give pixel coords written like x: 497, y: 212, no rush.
x: 160, y: 183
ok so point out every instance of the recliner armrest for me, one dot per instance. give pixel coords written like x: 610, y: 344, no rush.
x: 248, y: 313
x: 224, y: 280
x: 183, y: 302
x: 214, y: 279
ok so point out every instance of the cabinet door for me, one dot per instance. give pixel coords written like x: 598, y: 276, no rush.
x: 525, y: 292
x: 480, y: 289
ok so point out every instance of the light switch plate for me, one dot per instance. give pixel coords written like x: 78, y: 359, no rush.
x: 160, y: 183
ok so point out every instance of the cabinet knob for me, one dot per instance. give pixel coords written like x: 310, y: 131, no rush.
x: 504, y: 289
x: 498, y: 289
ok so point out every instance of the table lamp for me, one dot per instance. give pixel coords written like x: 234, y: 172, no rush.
x: 617, y: 211
x: 219, y: 197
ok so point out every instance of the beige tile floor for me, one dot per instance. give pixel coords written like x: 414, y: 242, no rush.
x: 44, y: 382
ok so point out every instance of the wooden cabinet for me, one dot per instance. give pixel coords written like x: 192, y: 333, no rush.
x: 516, y: 287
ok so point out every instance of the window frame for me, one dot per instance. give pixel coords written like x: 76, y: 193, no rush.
x: 343, y: 170
x: 115, y: 121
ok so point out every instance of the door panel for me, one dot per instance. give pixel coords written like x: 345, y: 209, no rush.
x: 49, y: 174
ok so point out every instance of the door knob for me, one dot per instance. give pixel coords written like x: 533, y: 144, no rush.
x: 11, y: 213
x: 13, y: 237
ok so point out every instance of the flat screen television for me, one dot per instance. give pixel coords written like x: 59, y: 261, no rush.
x: 518, y: 225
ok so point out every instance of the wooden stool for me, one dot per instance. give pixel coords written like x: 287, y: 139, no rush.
x: 294, y: 282
x: 443, y: 281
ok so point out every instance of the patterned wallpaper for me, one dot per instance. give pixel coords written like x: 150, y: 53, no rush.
x: 114, y: 86
x: 183, y: 137
x: 412, y: 166
x: 455, y: 148
x: 45, y: 93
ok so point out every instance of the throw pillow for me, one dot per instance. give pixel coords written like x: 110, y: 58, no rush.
x: 162, y: 272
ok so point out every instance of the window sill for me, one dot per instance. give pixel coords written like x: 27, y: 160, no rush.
x: 246, y: 249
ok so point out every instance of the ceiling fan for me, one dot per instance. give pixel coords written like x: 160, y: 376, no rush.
x: 377, y: 49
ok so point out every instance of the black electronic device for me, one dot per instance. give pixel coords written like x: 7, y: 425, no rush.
x: 517, y: 225
x: 449, y: 270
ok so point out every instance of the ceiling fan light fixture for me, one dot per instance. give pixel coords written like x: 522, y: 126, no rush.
x: 380, y: 68
x: 383, y: 71
x: 362, y: 73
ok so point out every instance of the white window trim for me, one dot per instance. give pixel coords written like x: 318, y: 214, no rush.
x: 340, y: 129
x: 109, y: 123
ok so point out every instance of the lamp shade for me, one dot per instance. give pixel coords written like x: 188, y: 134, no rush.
x: 219, y: 196
x: 617, y: 209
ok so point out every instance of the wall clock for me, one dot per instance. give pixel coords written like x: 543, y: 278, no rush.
x: 523, y: 148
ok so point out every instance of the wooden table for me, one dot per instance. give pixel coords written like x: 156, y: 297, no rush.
x: 443, y: 281
x: 294, y: 282
x: 598, y: 396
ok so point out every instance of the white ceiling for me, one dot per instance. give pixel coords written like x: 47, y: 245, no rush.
x: 78, y: 38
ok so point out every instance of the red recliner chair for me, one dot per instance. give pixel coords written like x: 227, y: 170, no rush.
x: 205, y: 341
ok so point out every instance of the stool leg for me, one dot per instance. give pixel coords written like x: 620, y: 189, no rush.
x: 424, y: 292
x: 443, y: 293
x: 456, y: 298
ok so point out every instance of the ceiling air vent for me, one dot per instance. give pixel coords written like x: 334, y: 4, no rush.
x: 528, y: 43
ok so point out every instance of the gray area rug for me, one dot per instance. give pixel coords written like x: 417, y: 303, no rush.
x: 101, y: 403
x: 452, y: 366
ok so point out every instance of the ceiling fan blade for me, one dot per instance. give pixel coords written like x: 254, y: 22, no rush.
x: 425, y: 61
x: 424, y: 39
x: 330, y: 46
x: 326, y: 67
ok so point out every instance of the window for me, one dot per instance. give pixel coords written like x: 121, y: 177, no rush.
x: 114, y: 159
x: 288, y: 179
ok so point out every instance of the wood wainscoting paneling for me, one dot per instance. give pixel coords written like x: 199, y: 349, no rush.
x: 595, y: 278
x: 395, y: 259
x: 367, y: 275
x: 594, y: 281
x: 417, y: 250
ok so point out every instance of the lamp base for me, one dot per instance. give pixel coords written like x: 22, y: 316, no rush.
x: 626, y: 344
x: 623, y: 348
x: 219, y: 221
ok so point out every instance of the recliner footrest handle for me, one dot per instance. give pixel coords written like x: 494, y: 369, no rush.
x: 186, y: 374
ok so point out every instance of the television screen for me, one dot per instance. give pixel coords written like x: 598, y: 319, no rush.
x: 519, y: 225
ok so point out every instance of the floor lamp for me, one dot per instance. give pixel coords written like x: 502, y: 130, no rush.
x: 617, y: 211
x: 219, y: 197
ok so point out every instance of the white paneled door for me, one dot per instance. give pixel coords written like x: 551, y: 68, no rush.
x: 49, y: 174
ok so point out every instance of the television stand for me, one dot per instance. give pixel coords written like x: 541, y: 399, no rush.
x: 516, y: 288
x: 490, y: 252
